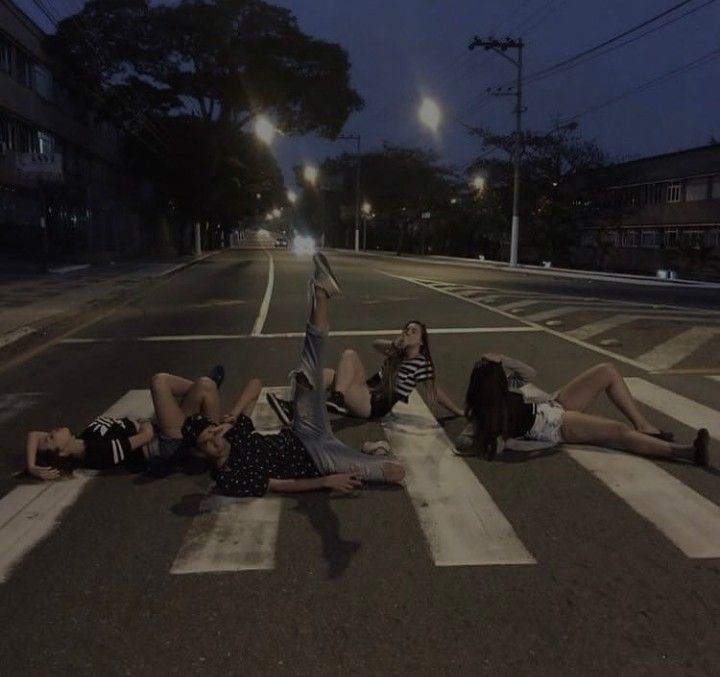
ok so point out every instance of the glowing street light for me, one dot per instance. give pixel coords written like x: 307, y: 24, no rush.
x: 311, y: 174
x: 429, y: 114
x: 478, y: 183
x: 276, y: 212
x: 366, y: 208
x: 292, y: 197
x: 264, y: 129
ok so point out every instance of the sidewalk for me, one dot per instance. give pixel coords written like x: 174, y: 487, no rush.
x: 643, y: 280
x: 33, y: 304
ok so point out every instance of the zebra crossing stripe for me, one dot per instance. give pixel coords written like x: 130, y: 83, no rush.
x: 551, y: 313
x: 676, y: 349
x: 30, y: 512
x: 690, y: 521
x: 601, y: 326
x: 517, y: 305
x: 235, y: 534
x: 461, y: 522
x: 682, y: 409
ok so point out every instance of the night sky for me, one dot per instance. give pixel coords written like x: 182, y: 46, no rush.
x: 401, y: 49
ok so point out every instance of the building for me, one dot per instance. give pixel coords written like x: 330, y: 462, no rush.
x: 665, y: 213
x: 55, y: 161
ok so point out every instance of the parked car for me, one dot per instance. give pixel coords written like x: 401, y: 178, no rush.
x: 281, y: 242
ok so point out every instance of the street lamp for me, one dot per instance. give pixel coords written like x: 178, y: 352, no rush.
x: 429, y: 114
x: 366, y: 210
x: 292, y: 197
x: 478, y: 183
x: 311, y: 174
x: 276, y: 212
x: 264, y: 129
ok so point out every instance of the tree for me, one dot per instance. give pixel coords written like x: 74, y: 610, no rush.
x: 194, y: 75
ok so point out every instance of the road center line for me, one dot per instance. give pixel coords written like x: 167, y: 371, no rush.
x: 265, y: 305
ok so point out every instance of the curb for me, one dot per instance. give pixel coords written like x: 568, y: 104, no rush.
x: 16, y: 339
x: 571, y: 273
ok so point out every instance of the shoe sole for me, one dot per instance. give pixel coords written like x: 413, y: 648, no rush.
x: 323, y: 265
x: 336, y: 409
x: 277, y: 408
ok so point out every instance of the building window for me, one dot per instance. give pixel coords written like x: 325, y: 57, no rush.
x: 715, y: 192
x: 696, y: 190
x: 673, y: 192
x: 5, y: 55
x: 629, y: 238
x: 43, y: 82
x: 712, y: 238
x: 46, y: 143
x: 23, y: 68
x: 671, y: 238
x: 649, y: 239
x: 692, y: 238
x: 656, y: 193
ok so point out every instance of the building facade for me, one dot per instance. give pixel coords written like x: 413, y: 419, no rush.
x: 58, y: 167
x: 666, y: 214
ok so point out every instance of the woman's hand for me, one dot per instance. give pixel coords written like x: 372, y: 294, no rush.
x: 398, y: 344
x: 42, y: 472
x: 228, y: 418
x: 493, y: 357
x: 343, y: 482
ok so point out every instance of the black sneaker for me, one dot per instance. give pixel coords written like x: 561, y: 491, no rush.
x: 324, y: 276
x: 217, y: 374
x: 336, y: 404
x: 701, y: 444
x: 282, y: 408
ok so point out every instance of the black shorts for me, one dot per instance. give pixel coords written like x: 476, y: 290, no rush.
x: 380, y: 404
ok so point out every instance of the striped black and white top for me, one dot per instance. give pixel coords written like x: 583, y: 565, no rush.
x: 412, y: 371
x: 107, y: 443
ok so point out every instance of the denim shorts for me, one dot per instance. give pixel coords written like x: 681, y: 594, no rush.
x: 548, y: 422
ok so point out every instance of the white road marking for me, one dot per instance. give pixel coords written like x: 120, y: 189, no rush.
x: 15, y: 335
x: 683, y: 409
x: 463, y: 525
x: 688, y: 519
x: 14, y: 403
x: 676, y: 349
x: 600, y: 327
x: 552, y: 313
x: 714, y: 378
x: 517, y: 305
x: 235, y: 534
x: 299, y: 334
x: 559, y: 334
x: 265, y: 305
x: 30, y: 512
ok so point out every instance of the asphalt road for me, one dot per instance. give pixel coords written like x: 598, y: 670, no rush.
x: 355, y: 588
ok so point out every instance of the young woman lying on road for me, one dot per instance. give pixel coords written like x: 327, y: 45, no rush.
x: 502, y: 416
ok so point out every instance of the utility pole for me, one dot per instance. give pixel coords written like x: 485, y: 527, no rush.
x: 501, y: 46
x: 356, y: 138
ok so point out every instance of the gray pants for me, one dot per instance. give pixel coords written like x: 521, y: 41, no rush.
x: 311, y: 424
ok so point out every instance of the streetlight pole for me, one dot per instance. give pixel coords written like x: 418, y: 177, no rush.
x: 356, y: 138
x: 500, y: 46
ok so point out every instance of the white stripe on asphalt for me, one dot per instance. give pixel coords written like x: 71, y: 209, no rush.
x: 29, y: 512
x: 265, y: 305
x: 463, y: 525
x: 600, y: 327
x: 517, y: 305
x: 14, y: 403
x: 688, y: 519
x: 682, y: 409
x: 551, y: 313
x: 235, y: 534
x: 15, y: 335
x: 679, y: 347
x: 299, y: 334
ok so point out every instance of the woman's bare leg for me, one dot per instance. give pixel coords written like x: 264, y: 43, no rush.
x: 174, y: 398
x: 350, y: 380
x: 583, y: 389
x: 329, y: 379
x: 580, y: 428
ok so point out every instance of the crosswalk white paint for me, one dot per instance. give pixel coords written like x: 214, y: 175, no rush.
x: 461, y: 522
x: 30, y: 512
x: 687, y: 519
x: 517, y: 305
x: 235, y: 534
x: 676, y: 349
x: 601, y: 326
x: 682, y: 409
x: 551, y: 313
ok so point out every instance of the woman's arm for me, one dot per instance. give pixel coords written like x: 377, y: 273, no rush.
x: 31, y: 448
x: 143, y: 436
x: 248, y: 398
x: 345, y: 482
x: 387, y: 347
x: 517, y: 369
x: 444, y: 399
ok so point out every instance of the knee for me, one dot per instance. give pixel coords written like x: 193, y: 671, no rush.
x: 349, y: 354
x: 621, y: 431
x: 158, y: 380
x: 206, y: 384
x: 608, y: 370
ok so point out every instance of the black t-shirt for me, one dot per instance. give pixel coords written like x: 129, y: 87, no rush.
x: 107, y: 443
x: 255, y: 459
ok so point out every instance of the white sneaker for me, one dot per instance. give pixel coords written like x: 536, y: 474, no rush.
x: 324, y: 276
x: 379, y: 448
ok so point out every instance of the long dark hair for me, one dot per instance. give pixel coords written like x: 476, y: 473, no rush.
x: 488, y: 405
x: 392, y: 363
